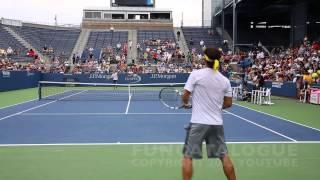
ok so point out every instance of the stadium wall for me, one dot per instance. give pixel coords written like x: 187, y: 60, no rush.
x: 14, y: 80
x: 123, y: 78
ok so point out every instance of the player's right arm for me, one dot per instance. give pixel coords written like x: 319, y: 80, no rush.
x: 188, y: 88
x: 227, y: 100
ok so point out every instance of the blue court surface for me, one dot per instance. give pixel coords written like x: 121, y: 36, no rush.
x: 50, y: 122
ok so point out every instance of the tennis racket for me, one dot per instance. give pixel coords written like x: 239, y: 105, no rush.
x: 171, y: 98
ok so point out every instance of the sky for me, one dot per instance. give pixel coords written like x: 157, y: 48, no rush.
x: 70, y: 11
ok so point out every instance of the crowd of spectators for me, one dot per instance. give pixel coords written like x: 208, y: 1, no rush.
x: 292, y: 64
x: 11, y: 65
x: 12, y: 52
x: 163, y: 56
x: 298, y: 64
x: 47, y: 50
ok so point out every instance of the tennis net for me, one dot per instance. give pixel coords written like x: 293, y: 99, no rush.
x: 101, y: 91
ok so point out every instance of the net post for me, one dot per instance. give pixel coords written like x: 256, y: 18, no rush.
x: 39, y: 91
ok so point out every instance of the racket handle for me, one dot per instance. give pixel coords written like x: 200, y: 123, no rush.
x: 186, y: 106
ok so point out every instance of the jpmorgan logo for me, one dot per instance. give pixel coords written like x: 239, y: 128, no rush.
x: 164, y: 76
x: 99, y: 76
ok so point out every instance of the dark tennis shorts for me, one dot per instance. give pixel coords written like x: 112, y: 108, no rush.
x: 115, y: 81
x: 213, y: 135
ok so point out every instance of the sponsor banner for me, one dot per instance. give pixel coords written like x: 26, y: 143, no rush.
x: 163, y: 76
x: 13, y: 80
x: 123, y: 78
x: 277, y: 84
x: 6, y: 74
x: 100, y: 76
x: 132, y: 78
x: 30, y: 73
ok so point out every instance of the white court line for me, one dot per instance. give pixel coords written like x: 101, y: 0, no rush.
x: 281, y: 118
x: 153, y: 143
x: 97, y: 114
x: 128, y: 105
x: 263, y: 127
x: 36, y: 107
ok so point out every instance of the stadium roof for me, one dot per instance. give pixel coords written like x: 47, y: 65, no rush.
x: 268, y: 7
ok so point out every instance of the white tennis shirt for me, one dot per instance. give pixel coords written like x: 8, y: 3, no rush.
x: 208, y: 90
x: 114, y: 76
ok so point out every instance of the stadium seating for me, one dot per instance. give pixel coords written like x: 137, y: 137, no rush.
x: 197, y: 34
x: 163, y: 35
x: 99, y: 40
x: 7, y: 40
x: 271, y: 38
x: 153, y: 39
x: 62, y: 41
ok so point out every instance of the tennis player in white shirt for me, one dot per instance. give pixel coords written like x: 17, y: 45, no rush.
x: 115, y: 78
x: 211, y: 92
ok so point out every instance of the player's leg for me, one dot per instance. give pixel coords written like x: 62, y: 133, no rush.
x: 187, y: 168
x: 228, y: 168
x: 217, y: 148
x: 192, y: 148
x: 115, y: 84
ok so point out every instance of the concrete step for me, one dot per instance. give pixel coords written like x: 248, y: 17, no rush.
x: 133, y: 52
x: 181, y: 41
x: 81, y: 43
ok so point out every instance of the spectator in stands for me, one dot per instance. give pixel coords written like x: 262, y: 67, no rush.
x: 73, y: 58
x: 260, y: 55
x: 45, y: 49
x: 3, y: 52
x: 9, y: 51
x: 204, y: 47
x: 178, y: 35
x: 31, y: 53
x: 50, y: 50
x: 139, y: 47
x: 78, y: 57
x: 191, y: 42
x: 201, y: 43
x: 91, y: 55
x: 305, y: 40
x: 307, y: 78
x: 91, y: 49
x: 260, y: 80
x: 118, y: 46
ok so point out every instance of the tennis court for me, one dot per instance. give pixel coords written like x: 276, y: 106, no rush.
x: 123, y: 138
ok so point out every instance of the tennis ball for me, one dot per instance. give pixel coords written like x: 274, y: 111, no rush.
x: 314, y: 75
